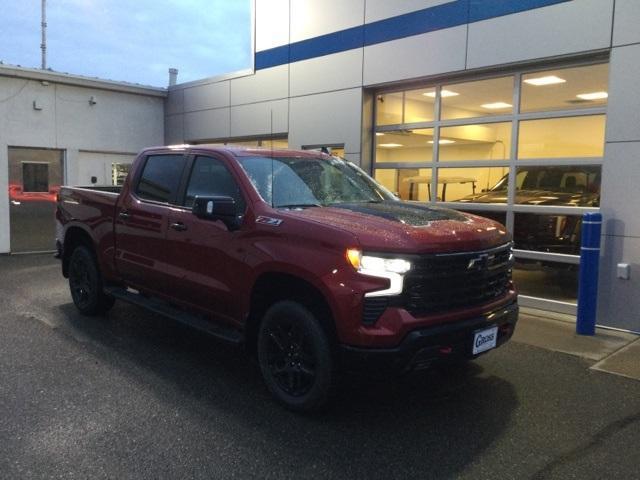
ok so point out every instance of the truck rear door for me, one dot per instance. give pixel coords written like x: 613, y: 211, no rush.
x: 141, y: 222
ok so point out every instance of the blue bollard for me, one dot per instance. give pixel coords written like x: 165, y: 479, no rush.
x: 588, y: 281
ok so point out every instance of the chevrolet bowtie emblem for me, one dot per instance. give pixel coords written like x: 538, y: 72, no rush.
x: 479, y: 262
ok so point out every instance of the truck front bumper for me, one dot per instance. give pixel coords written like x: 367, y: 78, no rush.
x: 439, y: 343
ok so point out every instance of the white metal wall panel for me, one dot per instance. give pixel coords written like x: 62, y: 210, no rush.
x: 312, y: 18
x: 272, y: 24
x: 117, y: 121
x: 174, y: 103
x: 327, y: 118
x: 626, y: 23
x: 620, y: 189
x: 618, y: 300
x: 260, y: 118
x: 94, y: 164
x: 202, y: 97
x: 268, y: 84
x: 561, y: 29
x: 417, y: 56
x: 20, y: 123
x: 381, y: 9
x: 206, y: 124
x: 327, y: 73
x: 174, y: 129
x: 623, y: 120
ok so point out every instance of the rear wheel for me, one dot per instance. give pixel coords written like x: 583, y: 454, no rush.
x: 295, y: 357
x: 85, y: 283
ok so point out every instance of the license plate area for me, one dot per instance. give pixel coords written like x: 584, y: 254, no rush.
x: 484, y: 340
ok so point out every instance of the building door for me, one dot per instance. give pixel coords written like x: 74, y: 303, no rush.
x: 35, y: 176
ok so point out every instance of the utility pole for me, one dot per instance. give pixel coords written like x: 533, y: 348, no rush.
x: 43, y: 45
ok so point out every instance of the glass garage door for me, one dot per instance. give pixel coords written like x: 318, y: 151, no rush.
x: 524, y: 148
x: 35, y: 176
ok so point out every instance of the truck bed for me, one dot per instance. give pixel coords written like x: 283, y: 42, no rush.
x: 92, y: 208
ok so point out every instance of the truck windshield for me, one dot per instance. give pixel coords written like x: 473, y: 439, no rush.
x: 299, y: 182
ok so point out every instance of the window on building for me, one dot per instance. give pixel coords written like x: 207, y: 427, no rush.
x: 119, y: 172
x: 544, y: 127
x: 35, y: 177
x: 405, y: 146
x: 480, y: 98
x: 485, y: 141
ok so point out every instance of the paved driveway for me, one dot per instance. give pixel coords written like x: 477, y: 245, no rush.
x: 136, y: 396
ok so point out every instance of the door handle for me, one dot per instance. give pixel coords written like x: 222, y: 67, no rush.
x: 124, y: 215
x: 178, y: 226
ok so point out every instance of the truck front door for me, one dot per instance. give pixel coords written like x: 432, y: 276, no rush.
x: 204, y: 257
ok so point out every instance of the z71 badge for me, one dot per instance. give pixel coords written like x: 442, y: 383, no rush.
x: 275, y: 222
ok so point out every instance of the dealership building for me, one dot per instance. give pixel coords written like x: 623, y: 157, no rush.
x: 526, y: 111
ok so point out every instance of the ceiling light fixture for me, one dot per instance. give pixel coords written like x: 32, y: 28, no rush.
x: 443, y: 94
x: 390, y: 145
x: 444, y: 141
x: 547, y: 80
x: 593, y: 96
x: 496, y: 105
x: 379, y: 134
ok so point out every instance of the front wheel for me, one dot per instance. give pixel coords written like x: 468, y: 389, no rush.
x: 85, y: 283
x: 295, y: 357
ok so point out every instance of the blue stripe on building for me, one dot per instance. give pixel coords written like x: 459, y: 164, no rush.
x: 447, y: 15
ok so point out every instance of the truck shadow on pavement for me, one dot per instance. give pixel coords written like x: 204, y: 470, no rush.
x: 428, y: 425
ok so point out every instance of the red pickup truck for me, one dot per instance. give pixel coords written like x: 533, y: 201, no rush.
x: 300, y: 256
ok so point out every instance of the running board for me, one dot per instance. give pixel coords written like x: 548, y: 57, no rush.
x: 194, y: 321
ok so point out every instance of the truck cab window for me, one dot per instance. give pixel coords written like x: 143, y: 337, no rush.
x: 209, y: 177
x: 160, y: 178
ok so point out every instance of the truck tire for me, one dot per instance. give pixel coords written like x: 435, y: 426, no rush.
x: 85, y: 283
x: 295, y: 357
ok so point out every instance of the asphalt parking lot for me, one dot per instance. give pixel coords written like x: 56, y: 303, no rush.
x: 134, y: 395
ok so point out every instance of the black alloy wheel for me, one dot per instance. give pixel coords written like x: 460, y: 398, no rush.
x: 295, y: 356
x: 85, y: 283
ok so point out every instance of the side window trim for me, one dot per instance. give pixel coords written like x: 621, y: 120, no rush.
x: 173, y: 199
x: 184, y: 181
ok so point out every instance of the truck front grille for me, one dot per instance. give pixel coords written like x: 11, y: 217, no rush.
x: 443, y: 282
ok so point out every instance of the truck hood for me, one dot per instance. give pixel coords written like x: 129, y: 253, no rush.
x: 408, y: 227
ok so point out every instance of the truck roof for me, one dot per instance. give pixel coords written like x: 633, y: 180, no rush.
x: 238, y: 150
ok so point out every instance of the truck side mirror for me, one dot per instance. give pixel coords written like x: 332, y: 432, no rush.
x: 216, y: 208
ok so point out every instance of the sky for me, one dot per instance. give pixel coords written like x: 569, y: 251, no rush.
x: 134, y: 41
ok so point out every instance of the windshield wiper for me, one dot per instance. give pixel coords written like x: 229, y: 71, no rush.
x: 298, y: 205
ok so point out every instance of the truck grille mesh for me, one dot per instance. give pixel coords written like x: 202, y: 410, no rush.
x: 442, y: 282
x: 372, y: 309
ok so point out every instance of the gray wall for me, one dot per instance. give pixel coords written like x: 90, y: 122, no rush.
x: 119, y: 122
x: 321, y: 100
x: 619, y: 300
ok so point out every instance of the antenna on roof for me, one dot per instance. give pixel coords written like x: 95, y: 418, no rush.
x: 271, y: 129
x: 272, y: 173
x: 43, y: 24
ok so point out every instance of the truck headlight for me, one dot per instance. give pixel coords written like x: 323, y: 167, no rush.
x: 392, y: 269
